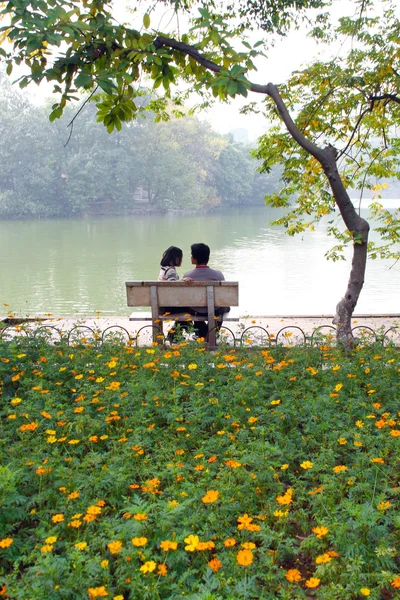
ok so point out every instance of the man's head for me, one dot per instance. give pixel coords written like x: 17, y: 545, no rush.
x: 200, y: 254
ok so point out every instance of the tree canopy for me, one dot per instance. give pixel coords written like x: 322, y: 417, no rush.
x: 335, y: 122
x: 179, y: 164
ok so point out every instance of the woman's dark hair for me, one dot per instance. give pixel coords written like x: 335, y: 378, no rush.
x: 171, y: 257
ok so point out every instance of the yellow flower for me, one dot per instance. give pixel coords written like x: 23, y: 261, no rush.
x: 323, y: 558
x: 384, y: 505
x: 148, y: 566
x: 365, y: 591
x: 313, y: 582
x: 210, y: 497
x: 359, y: 423
x: 192, y: 542
x: 244, y: 557
x: 119, y: 597
x: 139, y: 541
x: 307, y: 464
x: 104, y: 563
x: 342, y: 441
x: 281, y: 513
x: 293, y: 575
x: 6, y: 542
x: 46, y: 548
x: 284, y: 467
x: 115, y: 547
x: 51, y: 540
x: 320, y: 531
x: 248, y: 545
x: 192, y: 367
x: 81, y: 545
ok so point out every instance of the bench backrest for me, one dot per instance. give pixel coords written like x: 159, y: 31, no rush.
x: 179, y: 293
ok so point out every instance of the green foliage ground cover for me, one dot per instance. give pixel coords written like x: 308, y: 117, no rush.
x: 133, y: 473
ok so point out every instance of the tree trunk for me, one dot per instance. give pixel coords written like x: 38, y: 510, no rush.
x: 358, y: 227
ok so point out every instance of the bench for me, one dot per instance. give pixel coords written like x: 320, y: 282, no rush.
x: 209, y: 294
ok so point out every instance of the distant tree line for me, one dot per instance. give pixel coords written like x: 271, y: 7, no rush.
x: 179, y: 164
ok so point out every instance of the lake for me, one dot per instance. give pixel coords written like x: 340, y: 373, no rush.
x: 78, y: 267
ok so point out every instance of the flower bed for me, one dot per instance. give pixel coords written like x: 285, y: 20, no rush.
x: 153, y: 474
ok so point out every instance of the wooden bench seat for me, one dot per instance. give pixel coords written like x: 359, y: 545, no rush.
x: 156, y: 294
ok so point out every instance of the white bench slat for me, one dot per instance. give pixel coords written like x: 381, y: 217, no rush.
x: 179, y: 293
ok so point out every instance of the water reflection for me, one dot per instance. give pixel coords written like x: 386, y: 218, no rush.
x: 79, y: 267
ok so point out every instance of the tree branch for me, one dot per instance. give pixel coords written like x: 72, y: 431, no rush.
x: 391, y: 97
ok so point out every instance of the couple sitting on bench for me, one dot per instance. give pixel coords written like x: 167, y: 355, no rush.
x: 171, y: 259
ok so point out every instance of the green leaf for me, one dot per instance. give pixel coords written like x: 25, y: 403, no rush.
x: 146, y: 20
x: 107, y: 86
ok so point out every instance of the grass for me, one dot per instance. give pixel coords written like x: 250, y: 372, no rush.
x: 149, y: 473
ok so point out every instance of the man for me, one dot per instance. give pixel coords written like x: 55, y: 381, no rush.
x: 202, y: 272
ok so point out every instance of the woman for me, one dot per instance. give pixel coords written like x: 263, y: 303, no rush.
x: 171, y: 259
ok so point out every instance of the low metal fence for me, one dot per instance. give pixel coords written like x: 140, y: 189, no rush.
x: 254, y: 335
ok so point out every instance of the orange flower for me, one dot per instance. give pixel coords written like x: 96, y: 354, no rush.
x: 339, y: 468
x: 115, y: 547
x: 230, y: 542
x: 139, y: 541
x: 99, y: 592
x: 162, y: 569
x: 286, y: 498
x: 293, y: 575
x: 168, y: 545
x: 58, y: 518
x: 244, y: 557
x: 215, y: 565
x: 6, y: 542
x: 396, y: 582
x: 140, y: 517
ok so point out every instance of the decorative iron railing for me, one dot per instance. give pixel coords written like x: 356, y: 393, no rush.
x: 254, y: 335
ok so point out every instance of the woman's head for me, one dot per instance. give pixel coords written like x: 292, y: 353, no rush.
x: 172, y: 257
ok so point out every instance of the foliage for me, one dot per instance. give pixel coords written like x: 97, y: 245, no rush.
x: 152, y: 473
x: 350, y: 102
x: 179, y: 163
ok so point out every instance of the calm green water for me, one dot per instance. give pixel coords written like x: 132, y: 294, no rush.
x: 78, y: 267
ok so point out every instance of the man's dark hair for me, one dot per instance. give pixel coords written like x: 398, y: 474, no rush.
x: 201, y: 253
